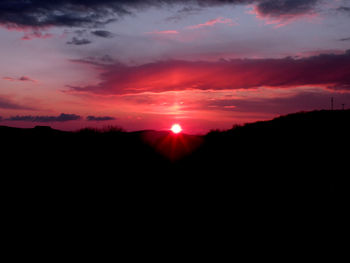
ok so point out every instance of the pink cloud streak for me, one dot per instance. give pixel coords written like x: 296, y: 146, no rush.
x: 164, y: 32
x: 36, y: 34
x: 29, y: 32
x: 219, y: 20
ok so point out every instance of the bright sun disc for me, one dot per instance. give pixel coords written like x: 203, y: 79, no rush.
x: 176, y: 128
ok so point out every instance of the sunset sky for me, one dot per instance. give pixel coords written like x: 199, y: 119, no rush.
x: 143, y: 64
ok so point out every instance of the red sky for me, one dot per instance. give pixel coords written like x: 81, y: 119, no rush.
x: 146, y: 66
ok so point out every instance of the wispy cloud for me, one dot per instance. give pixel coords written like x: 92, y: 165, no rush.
x: 8, y: 103
x: 36, y: 34
x: 210, y: 23
x: 79, y: 41
x: 23, y: 78
x: 345, y: 39
x: 213, y: 22
x: 183, y: 13
x: 164, y: 32
x: 103, y: 33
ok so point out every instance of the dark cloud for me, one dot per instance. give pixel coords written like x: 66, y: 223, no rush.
x: 184, y: 12
x: 23, y: 78
x: 345, y: 39
x: 41, y: 13
x: 0, y: 119
x: 285, y: 7
x: 9, y: 104
x: 103, y: 33
x: 81, y: 32
x: 95, y: 61
x: 331, y: 70
x: 79, y: 41
x: 96, y: 13
x: 21, y: 118
x: 61, y: 118
x: 344, y: 9
x: 104, y: 118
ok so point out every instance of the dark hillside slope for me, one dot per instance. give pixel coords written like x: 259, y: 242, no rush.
x: 305, y: 153
x: 301, y: 137
x: 299, y: 160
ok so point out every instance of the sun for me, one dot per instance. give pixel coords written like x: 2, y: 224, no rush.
x: 176, y: 128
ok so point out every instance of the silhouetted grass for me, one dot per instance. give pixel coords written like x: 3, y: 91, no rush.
x: 107, y: 129
x: 297, y: 162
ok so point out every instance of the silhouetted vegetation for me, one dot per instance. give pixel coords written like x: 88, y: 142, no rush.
x: 298, y: 162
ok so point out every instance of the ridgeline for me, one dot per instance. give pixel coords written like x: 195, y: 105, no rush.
x: 298, y: 161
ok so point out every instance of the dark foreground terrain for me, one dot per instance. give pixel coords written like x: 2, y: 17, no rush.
x: 288, y: 168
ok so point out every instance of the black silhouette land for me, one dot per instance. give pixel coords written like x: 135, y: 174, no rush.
x: 290, y: 167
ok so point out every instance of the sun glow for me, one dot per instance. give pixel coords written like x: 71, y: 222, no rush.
x: 176, y: 128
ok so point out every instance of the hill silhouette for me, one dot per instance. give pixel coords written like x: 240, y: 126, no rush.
x: 294, y: 165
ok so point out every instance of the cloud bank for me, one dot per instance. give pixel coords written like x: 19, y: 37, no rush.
x: 61, y: 118
x: 79, y: 41
x: 96, y: 13
x: 104, y: 118
x: 329, y: 70
x: 103, y: 33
